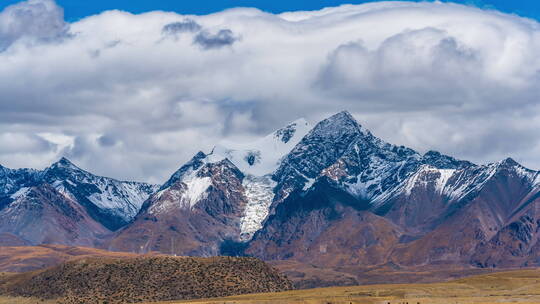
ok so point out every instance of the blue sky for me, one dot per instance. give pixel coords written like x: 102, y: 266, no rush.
x: 76, y: 9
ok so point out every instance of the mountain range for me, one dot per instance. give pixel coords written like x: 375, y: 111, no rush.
x: 64, y: 204
x: 329, y: 195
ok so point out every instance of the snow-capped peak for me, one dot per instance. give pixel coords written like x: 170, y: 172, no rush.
x: 336, y: 124
x: 64, y: 163
x: 263, y: 156
x: 286, y: 133
x: 509, y: 163
x: 191, y: 166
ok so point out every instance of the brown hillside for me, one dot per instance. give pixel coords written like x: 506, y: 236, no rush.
x: 110, y: 280
x: 29, y: 258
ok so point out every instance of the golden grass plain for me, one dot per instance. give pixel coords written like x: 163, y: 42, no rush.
x: 521, y: 286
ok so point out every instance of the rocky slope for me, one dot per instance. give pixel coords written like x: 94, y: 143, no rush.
x: 146, y: 279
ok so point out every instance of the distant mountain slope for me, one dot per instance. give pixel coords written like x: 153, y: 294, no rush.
x: 111, y: 202
x: 64, y: 204
x: 42, y: 215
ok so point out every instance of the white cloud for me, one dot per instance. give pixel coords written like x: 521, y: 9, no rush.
x: 140, y: 94
x: 33, y: 21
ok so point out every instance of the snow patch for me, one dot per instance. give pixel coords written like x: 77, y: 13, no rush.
x: 369, y: 183
x: 19, y: 193
x: 466, y: 184
x: 259, y: 193
x: 264, y: 155
x: 422, y: 178
x: 444, y: 176
x: 537, y: 180
x: 186, y: 198
x: 309, y: 184
x: 121, y: 198
x: 528, y: 174
x: 126, y: 198
x: 196, y: 187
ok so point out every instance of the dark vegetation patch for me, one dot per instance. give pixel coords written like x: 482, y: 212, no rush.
x: 145, y: 279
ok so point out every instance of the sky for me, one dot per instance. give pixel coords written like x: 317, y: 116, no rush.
x: 77, y: 9
x: 134, y: 95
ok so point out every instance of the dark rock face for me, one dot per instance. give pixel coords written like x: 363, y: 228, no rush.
x: 285, y: 134
x: 319, y: 149
x: 437, y: 160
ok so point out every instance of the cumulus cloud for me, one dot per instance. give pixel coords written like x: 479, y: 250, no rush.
x: 122, y: 100
x: 40, y: 20
x: 427, y: 62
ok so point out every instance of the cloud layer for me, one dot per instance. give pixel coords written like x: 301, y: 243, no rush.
x: 134, y: 96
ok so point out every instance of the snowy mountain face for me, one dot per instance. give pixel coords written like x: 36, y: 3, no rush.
x: 368, y: 168
x: 289, y: 160
x: 196, y: 211
x: 257, y: 161
x: 262, y: 157
x: 339, y: 165
x: 12, y: 180
x: 109, y: 202
x: 296, y: 159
